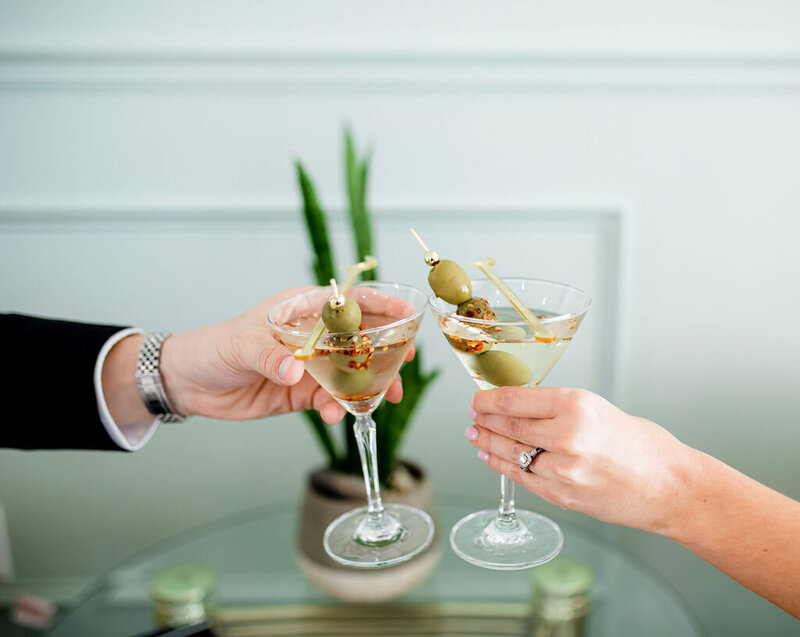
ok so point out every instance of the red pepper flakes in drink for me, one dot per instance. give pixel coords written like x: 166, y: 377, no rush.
x: 468, y: 346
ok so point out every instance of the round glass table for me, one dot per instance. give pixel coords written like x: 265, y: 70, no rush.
x: 253, y: 554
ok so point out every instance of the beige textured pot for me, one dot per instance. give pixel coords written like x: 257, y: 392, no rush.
x: 330, y: 494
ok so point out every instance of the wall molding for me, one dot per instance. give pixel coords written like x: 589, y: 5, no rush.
x: 375, y: 71
x: 612, y: 220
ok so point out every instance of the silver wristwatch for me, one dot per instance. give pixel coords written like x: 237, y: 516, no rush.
x: 148, y: 379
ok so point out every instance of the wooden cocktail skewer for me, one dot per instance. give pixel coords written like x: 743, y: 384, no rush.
x: 542, y: 334
x: 431, y: 256
x: 338, y: 297
x: 307, y: 351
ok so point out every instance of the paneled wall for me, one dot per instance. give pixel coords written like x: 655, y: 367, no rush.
x: 146, y: 177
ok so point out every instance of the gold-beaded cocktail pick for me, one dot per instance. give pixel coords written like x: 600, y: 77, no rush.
x: 447, y: 279
x: 353, y: 271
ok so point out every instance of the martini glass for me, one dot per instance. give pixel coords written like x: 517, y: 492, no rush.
x: 502, y: 352
x: 357, y: 369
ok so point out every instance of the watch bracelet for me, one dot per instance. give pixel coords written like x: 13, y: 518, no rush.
x: 148, y: 379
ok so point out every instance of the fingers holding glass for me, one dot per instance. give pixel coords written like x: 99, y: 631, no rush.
x: 509, y: 449
x: 329, y: 410
x: 378, y: 302
x: 530, y: 432
x: 521, y: 402
x: 395, y: 392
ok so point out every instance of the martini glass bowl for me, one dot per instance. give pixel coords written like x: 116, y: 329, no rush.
x: 357, y: 369
x: 501, y: 352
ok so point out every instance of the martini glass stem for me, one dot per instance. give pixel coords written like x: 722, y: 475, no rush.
x: 364, y: 430
x: 506, y: 514
x: 377, y: 528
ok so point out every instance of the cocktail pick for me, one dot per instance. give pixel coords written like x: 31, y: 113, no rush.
x: 307, y: 351
x: 542, y: 334
x: 338, y: 296
x: 431, y: 256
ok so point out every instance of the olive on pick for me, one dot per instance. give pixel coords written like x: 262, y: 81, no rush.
x: 477, y: 308
x: 353, y: 383
x: 502, y: 369
x: 449, y: 282
x: 341, y: 314
x: 468, y: 345
x: 351, y: 353
x: 447, y: 279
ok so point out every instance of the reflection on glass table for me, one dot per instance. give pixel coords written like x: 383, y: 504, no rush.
x: 255, y: 567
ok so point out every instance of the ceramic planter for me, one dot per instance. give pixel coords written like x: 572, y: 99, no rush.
x: 330, y: 494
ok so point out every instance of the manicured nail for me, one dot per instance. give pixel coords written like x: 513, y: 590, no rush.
x: 483, y: 455
x: 471, y: 433
x: 284, y: 367
x: 472, y: 413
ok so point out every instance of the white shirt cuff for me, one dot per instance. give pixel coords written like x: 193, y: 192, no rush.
x: 129, y: 437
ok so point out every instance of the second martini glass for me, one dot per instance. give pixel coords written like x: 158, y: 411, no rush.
x: 357, y: 369
x: 503, y: 352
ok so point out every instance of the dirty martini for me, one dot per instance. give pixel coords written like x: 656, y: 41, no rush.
x: 378, y: 323
x: 498, y: 348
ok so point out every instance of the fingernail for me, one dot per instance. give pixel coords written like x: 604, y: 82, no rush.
x: 472, y: 413
x: 483, y: 455
x: 471, y: 433
x: 284, y: 367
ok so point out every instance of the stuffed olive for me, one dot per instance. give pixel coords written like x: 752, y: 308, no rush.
x: 502, y: 369
x: 477, y: 308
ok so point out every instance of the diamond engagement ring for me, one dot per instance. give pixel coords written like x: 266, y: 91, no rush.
x: 526, y: 458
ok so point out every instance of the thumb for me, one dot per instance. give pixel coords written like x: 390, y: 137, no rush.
x: 277, y: 363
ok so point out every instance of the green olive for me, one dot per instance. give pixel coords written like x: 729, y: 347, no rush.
x: 502, y: 369
x: 466, y: 345
x: 342, y: 318
x: 450, y: 283
x: 477, y: 308
x: 352, y: 384
x: 352, y: 353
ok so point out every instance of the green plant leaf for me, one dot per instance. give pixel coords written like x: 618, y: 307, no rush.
x: 356, y: 174
x: 392, y: 420
x: 322, y: 267
x: 352, y: 458
x: 317, y: 228
x: 323, y: 434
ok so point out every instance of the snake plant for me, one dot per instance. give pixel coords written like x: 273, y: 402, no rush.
x: 392, y: 420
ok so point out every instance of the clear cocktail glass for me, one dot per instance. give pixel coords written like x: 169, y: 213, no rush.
x: 499, y: 352
x: 357, y: 369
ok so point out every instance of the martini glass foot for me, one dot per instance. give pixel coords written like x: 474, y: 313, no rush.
x: 491, y: 541
x: 359, y: 540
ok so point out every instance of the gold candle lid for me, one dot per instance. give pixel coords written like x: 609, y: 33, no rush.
x: 181, y: 593
x: 561, y: 590
x: 563, y: 578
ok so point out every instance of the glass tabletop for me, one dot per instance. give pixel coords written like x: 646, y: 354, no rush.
x: 253, y: 554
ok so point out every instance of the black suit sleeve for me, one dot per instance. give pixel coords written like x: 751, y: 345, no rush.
x: 48, y: 387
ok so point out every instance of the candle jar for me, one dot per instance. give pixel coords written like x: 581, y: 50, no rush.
x: 182, y: 595
x: 561, y: 598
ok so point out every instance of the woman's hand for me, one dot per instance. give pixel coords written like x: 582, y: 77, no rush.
x: 600, y: 461
x: 618, y: 468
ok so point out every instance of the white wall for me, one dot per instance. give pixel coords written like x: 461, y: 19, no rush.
x: 649, y: 156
